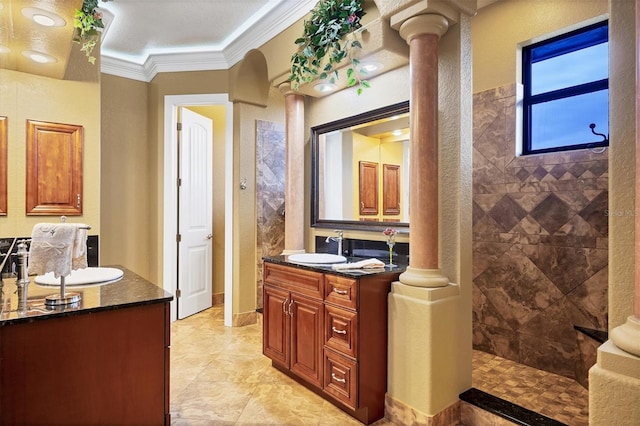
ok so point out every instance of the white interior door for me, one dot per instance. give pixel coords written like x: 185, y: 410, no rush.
x: 195, y: 213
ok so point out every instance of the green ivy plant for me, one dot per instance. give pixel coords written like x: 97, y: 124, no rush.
x: 86, y: 22
x: 322, y: 47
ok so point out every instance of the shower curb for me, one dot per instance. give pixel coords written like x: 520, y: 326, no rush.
x: 507, y: 410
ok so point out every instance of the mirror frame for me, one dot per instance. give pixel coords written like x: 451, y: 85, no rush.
x: 384, y: 112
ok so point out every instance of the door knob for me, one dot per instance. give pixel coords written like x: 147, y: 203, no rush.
x: 209, y: 237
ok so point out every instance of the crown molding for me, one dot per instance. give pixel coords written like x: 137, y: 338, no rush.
x: 283, y: 15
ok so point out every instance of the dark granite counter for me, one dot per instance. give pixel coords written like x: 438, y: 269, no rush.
x: 350, y: 273
x: 18, y: 306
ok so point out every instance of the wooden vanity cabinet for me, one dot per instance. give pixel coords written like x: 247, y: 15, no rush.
x: 293, y: 321
x: 329, y: 332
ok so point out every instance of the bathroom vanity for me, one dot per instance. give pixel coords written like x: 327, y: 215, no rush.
x: 328, y: 330
x: 102, y: 361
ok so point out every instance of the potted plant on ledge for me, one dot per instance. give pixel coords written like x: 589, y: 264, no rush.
x: 323, y: 46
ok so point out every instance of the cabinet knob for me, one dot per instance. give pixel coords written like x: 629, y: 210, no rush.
x: 335, y: 330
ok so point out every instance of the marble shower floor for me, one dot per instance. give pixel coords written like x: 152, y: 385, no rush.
x: 220, y: 377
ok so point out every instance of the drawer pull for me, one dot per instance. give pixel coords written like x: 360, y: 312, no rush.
x: 284, y: 306
x: 335, y: 330
x: 342, y: 292
x: 338, y: 379
x: 290, y: 311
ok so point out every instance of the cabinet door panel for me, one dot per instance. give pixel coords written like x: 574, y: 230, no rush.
x: 307, y: 338
x: 390, y: 189
x: 54, y: 168
x: 275, y: 325
x: 368, y: 188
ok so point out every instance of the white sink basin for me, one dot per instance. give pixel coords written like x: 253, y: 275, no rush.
x: 86, y: 276
x: 317, y: 258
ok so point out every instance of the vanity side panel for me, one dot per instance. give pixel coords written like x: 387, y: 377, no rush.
x: 372, y: 355
x: 114, y: 364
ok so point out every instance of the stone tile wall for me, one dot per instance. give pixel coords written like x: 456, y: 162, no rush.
x: 540, y: 244
x: 270, y: 188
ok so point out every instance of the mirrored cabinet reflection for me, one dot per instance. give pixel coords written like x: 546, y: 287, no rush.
x: 360, y: 169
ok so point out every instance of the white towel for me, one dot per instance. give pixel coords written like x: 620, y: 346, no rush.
x: 363, y: 264
x: 58, y: 248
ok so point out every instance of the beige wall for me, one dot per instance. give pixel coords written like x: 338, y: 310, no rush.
x: 26, y: 96
x: 125, y: 171
x: 500, y: 27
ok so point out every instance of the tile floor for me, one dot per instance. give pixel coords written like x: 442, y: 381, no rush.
x: 220, y: 377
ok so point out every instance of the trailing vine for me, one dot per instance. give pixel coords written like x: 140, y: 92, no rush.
x: 324, y: 46
x: 86, y: 22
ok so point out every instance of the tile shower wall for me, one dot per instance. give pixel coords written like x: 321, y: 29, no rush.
x: 540, y: 244
x: 270, y: 164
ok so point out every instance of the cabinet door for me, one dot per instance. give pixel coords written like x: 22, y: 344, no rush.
x: 390, y: 189
x: 54, y: 168
x: 368, y: 188
x: 275, y: 325
x: 307, y: 338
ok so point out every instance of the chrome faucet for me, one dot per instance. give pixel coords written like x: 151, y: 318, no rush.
x: 338, y: 239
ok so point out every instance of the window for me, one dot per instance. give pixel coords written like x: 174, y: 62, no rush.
x: 566, y: 91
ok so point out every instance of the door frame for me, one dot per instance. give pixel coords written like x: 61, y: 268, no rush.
x: 170, y: 191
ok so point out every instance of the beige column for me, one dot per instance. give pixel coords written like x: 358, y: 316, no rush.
x: 627, y: 335
x: 294, y: 185
x: 422, y: 33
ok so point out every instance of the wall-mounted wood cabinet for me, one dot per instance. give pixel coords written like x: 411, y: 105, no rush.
x: 368, y: 188
x: 391, y: 189
x: 54, y: 168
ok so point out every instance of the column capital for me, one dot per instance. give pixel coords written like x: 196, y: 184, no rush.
x: 430, y: 23
x: 286, y: 89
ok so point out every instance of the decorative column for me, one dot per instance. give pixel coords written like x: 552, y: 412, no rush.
x: 614, y: 381
x: 294, y: 185
x: 422, y: 33
x: 429, y: 346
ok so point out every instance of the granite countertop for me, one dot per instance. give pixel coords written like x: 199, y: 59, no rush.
x: 131, y: 290
x: 350, y: 273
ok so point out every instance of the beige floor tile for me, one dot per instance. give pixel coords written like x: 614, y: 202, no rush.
x: 220, y: 377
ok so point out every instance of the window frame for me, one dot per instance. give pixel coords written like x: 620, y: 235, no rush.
x: 529, y: 100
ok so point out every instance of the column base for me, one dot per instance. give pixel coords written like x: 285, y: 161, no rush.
x: 402, y: 414
x: 287, y: 252
x: 614, y: 388
x: 627, y: 336
x: 429, y: 278
x: 429, y: 354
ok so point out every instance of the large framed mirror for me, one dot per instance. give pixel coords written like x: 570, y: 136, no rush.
x: 360, y: 170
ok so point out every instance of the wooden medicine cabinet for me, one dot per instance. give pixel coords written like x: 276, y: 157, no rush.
x: 54, y: 169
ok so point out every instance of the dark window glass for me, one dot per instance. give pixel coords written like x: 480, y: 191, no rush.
x: 566, y: 91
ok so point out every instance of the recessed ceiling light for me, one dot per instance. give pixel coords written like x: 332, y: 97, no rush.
x: 39, y: 57
x: 397, y: 132
x: 325, y: 87
x: 368, y: 67
x: 43, y: 17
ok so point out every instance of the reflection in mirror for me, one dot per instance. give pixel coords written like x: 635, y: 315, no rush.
x: 3, y: 165
x: 360, y: 170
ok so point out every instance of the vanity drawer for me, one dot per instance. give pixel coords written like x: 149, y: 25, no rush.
x: 295, y: 279
x: 341, y: 291
x: 340, y: 378
x: 341, y: 330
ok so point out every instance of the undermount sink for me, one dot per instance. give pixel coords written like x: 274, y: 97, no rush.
x: 86, y: 276
x: 317, y: 258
